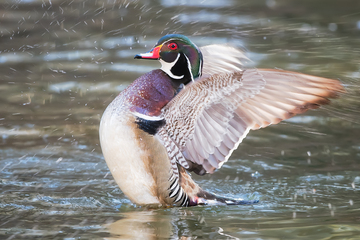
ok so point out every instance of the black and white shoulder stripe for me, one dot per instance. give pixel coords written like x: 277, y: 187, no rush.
x: 177, y: 193
x: 149, y: 124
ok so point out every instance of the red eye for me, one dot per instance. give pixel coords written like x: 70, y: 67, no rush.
x: 172, y: 46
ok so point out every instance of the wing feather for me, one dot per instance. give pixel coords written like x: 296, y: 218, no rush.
x: 213, y: 162
x: 219, y: 59
x: 228, y: 142
x: 199, y: 144
x: 213, y: 139
x: 210, y: 117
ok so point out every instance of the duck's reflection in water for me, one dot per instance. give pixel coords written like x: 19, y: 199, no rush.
x: 174, y: 223
x: 142, y: 225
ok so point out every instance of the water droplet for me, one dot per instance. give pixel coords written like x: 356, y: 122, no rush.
x: 332, y: 27
x: 236, y: 180
x: 270, y: 3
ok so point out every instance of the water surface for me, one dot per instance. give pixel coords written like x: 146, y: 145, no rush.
x: 61, y: 64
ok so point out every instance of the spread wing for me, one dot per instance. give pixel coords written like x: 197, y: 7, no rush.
x: 221, y: 59
x: 208, y: 119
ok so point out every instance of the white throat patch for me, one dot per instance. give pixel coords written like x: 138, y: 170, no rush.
x: 166, y: 67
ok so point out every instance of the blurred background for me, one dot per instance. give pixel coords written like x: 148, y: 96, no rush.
x: 63, y: 61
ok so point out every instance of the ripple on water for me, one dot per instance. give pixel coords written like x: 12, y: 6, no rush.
x: 54, y: 181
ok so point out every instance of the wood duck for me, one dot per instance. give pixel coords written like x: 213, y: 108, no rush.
x: 191, y: 114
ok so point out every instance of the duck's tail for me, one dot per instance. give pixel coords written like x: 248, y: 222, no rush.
x: 207, y: 198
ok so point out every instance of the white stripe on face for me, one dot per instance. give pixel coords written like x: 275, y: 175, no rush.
x: 189, y: 67
x: 166, y: 67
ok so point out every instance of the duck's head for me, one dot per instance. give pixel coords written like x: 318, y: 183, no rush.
x: 180, y: 58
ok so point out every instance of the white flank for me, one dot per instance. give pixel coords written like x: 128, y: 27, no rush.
x: 124, y: 157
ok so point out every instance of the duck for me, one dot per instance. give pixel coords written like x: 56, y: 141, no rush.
x: 191, y: 114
